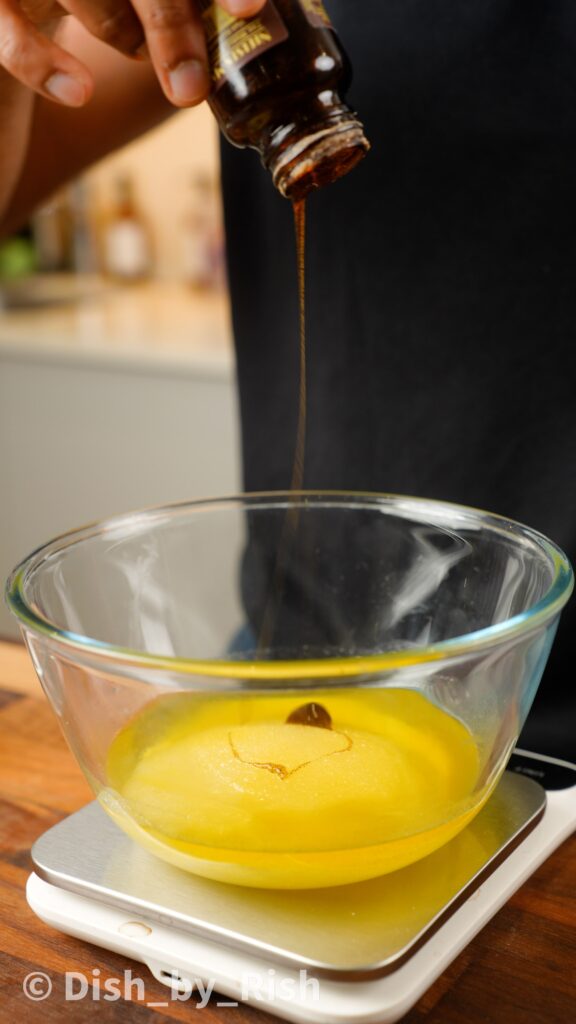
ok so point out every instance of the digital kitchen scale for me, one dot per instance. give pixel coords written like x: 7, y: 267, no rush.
x: 356, y: 953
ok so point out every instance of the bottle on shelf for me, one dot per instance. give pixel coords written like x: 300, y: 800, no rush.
x: 127, y: 250
x: 279, y: 82
x: 51, y: 228
x: 83, y: 251
x: 203, y: 237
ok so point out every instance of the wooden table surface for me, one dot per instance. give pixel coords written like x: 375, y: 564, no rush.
x: 521, y: 969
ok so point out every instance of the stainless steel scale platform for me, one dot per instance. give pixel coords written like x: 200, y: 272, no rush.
x: 356, y: 953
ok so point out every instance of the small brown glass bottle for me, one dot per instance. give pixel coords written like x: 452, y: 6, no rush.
x: 278, y: 84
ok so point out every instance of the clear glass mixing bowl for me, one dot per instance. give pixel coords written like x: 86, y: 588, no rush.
x: 293, y: 690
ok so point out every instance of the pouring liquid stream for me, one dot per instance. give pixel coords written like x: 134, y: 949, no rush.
x: 299, y: 207
x: 290, y: 525
x: 362, y: 787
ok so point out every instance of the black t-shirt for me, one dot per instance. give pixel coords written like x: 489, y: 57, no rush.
x: 441, y: 283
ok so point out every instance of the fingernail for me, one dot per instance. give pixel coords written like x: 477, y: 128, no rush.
x: 66, y: 89
x: 242, y: 8
x: 188, y: 81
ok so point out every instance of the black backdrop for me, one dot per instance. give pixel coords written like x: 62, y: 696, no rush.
x: 441, y: 283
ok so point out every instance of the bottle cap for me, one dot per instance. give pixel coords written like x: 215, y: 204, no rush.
x: 319, y: 157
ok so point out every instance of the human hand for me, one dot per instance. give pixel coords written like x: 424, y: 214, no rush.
x: 168, y: 32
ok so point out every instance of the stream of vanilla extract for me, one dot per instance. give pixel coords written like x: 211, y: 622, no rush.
x: 299, y: 207
x: 290, y: 525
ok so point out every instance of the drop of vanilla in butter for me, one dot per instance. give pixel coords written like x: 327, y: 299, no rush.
x: 270, y: 790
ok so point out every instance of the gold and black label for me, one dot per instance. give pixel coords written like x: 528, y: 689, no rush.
x: 316, y: 13
x: 232, y: 42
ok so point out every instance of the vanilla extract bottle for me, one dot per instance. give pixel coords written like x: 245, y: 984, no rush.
x: 279, y: 80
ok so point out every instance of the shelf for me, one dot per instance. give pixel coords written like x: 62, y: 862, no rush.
x: 68, y: 317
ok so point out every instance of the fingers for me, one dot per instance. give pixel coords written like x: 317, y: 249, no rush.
x: 242, y: 8
x: 169, y: 31
x: 115, y: 22
x: 41, y: 12
x: 177, y: 49
x: 176, y: 45
x: 38, y: 62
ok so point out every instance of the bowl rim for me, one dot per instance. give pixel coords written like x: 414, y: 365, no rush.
x: 544, y: 610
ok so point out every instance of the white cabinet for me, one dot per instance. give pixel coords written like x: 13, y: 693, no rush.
x: 82, y: 438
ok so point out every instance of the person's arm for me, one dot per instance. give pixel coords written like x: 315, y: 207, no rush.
x: 16, y: 107
x: 47, y: 139
x: 44, y: 144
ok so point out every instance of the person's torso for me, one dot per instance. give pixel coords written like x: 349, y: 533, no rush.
x: 441, y: 305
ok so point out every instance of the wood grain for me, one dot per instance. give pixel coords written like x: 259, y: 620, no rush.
x: 521, y: 969
x: 16, y: 670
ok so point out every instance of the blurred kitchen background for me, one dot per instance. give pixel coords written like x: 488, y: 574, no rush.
x: 117, y: 385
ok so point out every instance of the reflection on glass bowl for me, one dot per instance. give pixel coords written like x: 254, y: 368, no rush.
x: 293, y: 691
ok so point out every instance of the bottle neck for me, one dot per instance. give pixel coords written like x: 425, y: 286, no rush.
x: 305, y: 156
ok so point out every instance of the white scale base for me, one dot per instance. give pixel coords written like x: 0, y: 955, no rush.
x: 342, y: 955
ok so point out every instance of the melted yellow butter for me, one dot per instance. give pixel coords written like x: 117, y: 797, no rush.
x: 224, y: 787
